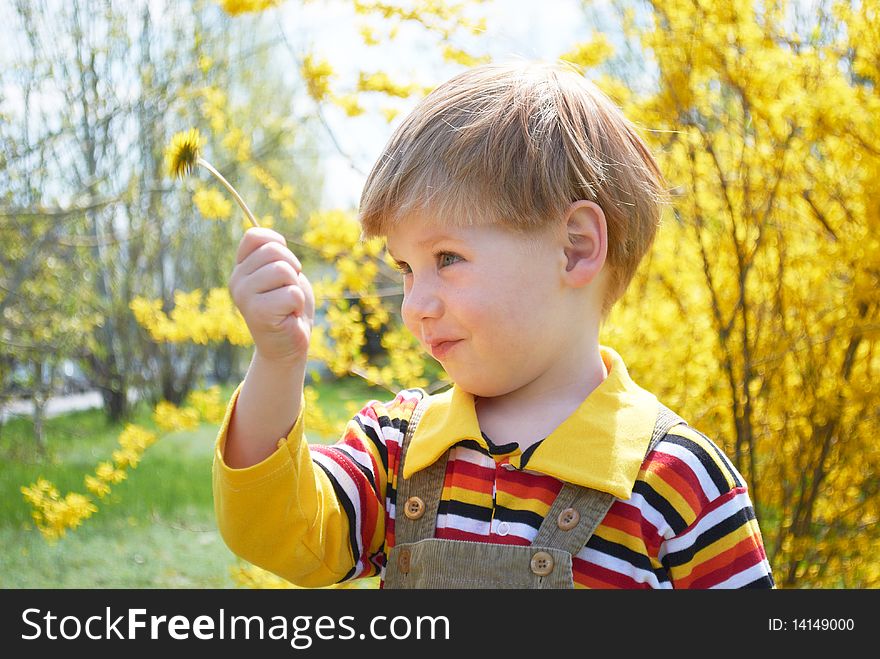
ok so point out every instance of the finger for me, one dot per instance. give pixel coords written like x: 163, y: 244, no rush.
x: 279, y: 303
x: 270, y: 276
x: 267, y: 253
x: 255, y: 237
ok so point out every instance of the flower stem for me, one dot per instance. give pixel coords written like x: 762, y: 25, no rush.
x: 247, y: 211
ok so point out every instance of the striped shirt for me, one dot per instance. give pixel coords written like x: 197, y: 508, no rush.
x: 315, y: 514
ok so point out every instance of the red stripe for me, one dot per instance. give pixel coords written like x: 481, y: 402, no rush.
x: 522, y: 491
x: 458, y: 534
x: 532, y: 480
x: 680, y: 477
x: 363, y: 446
x: 629, y: 519
x: 721, y: 567
x: 469, y: 469
x: 591, y: 575
x: 477, y: 485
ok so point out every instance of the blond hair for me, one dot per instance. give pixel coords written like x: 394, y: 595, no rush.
x: 515, y: 144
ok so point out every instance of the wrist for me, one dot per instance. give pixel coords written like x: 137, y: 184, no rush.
x: 280, y: 365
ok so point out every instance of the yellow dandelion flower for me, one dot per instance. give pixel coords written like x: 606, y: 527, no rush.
x: 182, y: 154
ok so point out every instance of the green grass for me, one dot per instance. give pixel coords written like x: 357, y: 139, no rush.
x: 155, y: 529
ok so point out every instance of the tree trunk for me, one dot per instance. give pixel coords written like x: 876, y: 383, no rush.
x: 115, y: 404
x: 40, y: 398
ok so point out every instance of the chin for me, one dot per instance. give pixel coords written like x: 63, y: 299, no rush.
x: 480, y: 387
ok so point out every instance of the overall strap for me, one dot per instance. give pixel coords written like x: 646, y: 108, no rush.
x: 573, y: 517
x: 666, y: 421
x: 418, y: 497
x: 577, y: 511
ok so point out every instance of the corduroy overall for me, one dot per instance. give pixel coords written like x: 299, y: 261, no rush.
x: 419, y: 560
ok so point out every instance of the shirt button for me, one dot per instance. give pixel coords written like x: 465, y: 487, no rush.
x: 542, y: 563
x: 568, y: 519
x: 403, y: 560
x: 414, y: 508
x: 503, y: 528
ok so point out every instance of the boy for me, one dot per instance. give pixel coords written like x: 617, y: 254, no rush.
x: 517, y: 202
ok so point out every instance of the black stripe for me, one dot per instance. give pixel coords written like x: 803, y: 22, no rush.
x: 524, y: 458
x: 667, y: 510
x: 627, y: 555
x: 348, y: 507
x: 348, y: 458
x: 705, y: 459
x: 724, y: 460
x: 727, y: 526
x: 377, y: 560
x: 499, y: 449
x: 380, y: 445
x: 519, y: 516
x: 620, y: 551
x: 473, y: 446
x: 462, y: 509
x: 391, y: 493
x: 761, y: 582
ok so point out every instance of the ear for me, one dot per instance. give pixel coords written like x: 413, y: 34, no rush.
x: 586, y: 242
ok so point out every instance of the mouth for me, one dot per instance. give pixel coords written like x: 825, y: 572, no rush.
x: 440, y: 349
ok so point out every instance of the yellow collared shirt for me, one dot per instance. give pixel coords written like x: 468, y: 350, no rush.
x: 317, y: 515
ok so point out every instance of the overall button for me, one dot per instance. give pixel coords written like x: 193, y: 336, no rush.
x: 542, y: 563
x: 403, y: 560
x: 568, y: 519
x: 414, y: 508
x: 503, y: 528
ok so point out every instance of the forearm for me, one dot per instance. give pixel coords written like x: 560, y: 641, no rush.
x: 269, y: 403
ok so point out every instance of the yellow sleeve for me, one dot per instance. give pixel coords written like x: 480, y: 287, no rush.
x: 282, y: 514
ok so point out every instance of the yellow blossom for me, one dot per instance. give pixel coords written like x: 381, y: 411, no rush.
x: 169, y: 417
x: 380, y: 82
x: 208, y: 404
x: 125, y: 458
x: 590, y: 53
x: 108, y: 473
x: 97, y: 486
x: 317, y: 75
x: 236, y: 7
x: 349, y: 104
x: 136, y: 438
x: 212, y: 204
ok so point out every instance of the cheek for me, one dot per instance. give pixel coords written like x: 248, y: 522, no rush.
x: 502, y: 320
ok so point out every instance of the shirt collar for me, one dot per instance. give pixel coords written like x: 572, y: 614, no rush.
x: 601, y: 445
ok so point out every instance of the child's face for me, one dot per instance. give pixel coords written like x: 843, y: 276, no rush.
x: 485, y: 302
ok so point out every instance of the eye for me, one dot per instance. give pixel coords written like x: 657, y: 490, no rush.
x: 446, y: 258
x: 402, y: 267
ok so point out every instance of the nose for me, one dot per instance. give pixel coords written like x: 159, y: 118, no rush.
x: 421, y: 300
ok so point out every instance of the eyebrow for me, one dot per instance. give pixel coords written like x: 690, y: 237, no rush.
x: 430, y: 240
